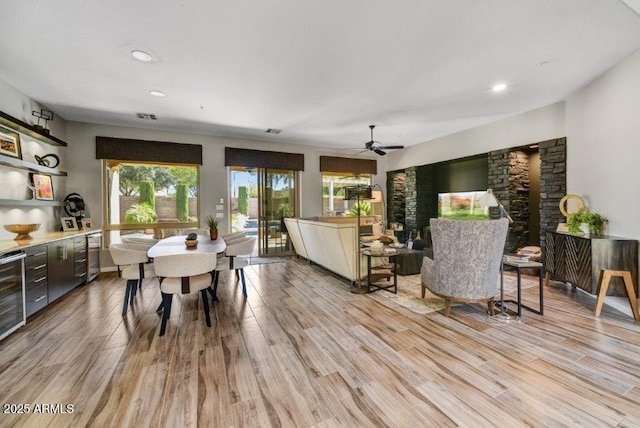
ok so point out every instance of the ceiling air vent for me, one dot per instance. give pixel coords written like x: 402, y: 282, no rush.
x: 146, y: 116
x: 273, y: 131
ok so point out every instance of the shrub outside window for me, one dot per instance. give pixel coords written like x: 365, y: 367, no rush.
x: 149, y: 199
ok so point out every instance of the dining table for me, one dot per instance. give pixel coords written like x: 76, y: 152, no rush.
x: 174, y: 245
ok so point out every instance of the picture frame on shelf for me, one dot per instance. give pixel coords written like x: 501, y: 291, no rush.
x: 10, y: 143
x: 87, y: 224
x: 69, y: 224
x: 43, y: 185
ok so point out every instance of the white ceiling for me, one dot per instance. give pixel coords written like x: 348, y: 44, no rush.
x: 321, y: 71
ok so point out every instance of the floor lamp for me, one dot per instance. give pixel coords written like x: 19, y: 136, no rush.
x: 489, y: 200
x: 358, y: 191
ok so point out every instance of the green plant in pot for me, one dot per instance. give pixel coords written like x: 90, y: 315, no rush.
x: 212, y: 222
x: 595, y: 222
x: 192, y: 240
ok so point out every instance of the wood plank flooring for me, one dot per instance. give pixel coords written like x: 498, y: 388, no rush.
x: 304, y: 352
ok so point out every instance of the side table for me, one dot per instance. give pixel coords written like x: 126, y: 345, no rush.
x: 519, y: 267
x: 383, y: 271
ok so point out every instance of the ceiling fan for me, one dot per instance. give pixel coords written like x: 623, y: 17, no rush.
x: 376, y: 146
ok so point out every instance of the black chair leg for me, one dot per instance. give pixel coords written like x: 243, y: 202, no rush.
x: 166, y: 300
x: 127, y: 297
x: 215, y: 286
x: 244, y: 285
x: 132, y: 290
x: 205, y: 307
x: 160, y: 307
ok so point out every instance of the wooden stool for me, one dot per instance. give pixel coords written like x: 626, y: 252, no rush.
x: 603, y: 285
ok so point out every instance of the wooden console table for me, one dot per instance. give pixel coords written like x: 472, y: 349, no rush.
x: 579, y: 260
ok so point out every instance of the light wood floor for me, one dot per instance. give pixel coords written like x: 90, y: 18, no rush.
x: 303, y: 351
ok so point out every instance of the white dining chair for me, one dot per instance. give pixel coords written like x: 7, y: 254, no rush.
x: 233, y: 260
x: 133, y: 265
x: 234, y: 235
x: 184, y: 274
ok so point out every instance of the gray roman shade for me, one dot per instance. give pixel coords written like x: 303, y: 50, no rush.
x: 150, y: 151
x: 349, y: 165
x: 263, y: 159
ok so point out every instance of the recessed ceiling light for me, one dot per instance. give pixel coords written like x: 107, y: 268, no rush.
x: 499, y: 87
x: 141, y: 55
x: 157, y: 93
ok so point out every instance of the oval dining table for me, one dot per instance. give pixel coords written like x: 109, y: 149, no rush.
x: 175, y: 245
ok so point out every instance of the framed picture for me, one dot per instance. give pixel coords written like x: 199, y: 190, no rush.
x: 87, y: 224
x: 10, y: 143
x: 69, y: 223
x: 43, y: 186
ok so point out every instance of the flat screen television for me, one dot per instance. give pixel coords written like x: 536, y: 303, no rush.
x: 462, y: 205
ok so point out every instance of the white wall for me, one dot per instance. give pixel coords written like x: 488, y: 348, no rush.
x: 533, y: 126
x: 603, y: 147
x: 213, y: 174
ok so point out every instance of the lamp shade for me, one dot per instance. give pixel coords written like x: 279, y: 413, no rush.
x: 489, y: 200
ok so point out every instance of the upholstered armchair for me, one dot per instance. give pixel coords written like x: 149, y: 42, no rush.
x: 466, y: 260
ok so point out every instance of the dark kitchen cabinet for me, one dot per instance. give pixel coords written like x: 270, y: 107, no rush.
x: 61, y: 267
x: 80, y: 260
x: 36, y: 278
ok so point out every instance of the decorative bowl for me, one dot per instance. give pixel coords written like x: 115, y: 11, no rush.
x: 191, y: 243
x: 22, y: 230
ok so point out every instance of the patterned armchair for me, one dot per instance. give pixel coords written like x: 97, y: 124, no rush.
x: 466, y: 260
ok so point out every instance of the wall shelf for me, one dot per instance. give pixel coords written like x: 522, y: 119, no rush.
x: 29, y: 203
x: 20, y: 164
x: 21, y: 127
x: 30, y: 130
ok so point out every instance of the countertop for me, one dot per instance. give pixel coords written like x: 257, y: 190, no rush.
x: 7, y: 245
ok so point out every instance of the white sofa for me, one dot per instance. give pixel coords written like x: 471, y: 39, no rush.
x: 331, y: 245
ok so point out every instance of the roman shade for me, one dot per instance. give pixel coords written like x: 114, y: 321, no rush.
x: 263, y: 159
x: 149, y: 151
x: 349, y: 165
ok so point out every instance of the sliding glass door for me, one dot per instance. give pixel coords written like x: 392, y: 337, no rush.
x: 260, y: 199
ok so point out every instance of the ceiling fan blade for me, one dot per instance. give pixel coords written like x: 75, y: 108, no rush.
x: 380, y: 152
x: 392, y: 147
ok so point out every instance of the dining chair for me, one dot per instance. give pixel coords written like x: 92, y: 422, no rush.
x: 234, y: 235
x: 233, y: 260
x: 184, y: 274
x: 133, y: 265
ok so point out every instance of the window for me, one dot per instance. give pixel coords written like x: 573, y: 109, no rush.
x: 149, y: 198
x: 333, y: 193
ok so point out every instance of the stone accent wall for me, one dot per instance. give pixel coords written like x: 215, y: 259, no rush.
x: 518, y: 200
x: 509, y: 178
x: 499, y: 179
x: 553, y: 184
x: 411, y: 197
x: 396, y: 190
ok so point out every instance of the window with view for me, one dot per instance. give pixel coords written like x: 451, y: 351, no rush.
x: 145, y: 199
x: 333, y: 193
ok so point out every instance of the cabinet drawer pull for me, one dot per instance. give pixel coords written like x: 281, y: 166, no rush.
x: 81, y: 275
x: 40, y: 279
x: 39, y: 267
x: 40, y: 298
x: 81, y: 260
x: 39, y: 254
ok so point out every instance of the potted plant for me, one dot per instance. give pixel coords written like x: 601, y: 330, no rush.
x: 585, y: 222
x: 192, y: 240
x: 212, y: 222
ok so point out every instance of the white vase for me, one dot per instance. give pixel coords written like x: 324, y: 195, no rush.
x: 584, y: 228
